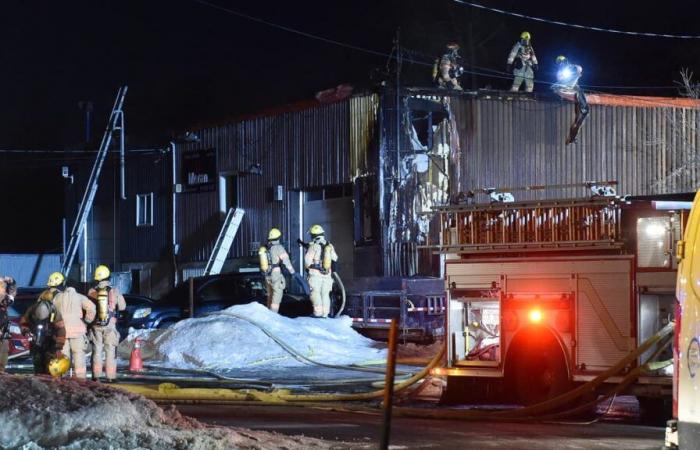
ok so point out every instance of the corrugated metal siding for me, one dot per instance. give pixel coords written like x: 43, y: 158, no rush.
x: 320, y: 146
x: 146, y: 173
x: 29, y: 270
x: 512, y: 143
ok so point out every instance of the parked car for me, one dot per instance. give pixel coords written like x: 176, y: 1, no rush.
x: 211, y: 293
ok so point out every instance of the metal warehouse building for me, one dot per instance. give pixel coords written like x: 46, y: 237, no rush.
x: 371, y: 176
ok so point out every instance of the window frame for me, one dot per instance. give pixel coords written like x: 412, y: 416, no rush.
x: 147, y: 214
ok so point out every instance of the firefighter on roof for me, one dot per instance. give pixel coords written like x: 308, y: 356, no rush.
x: 447, y: 69
x: 77, y: 311
x: 567, y: 87
x: 319, y: 260
x: 522, y: 62
x: 272, y: 257
x: 43, y: 322
x: 103, y: 333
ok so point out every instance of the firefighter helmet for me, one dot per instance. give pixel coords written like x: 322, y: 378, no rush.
x: 59, y: 365
x: 561, y: 59
x: 101, y: 273
x: 274, y: 234
x: 525, y: 35
x: 452, y: 46
x: 55, y: 279
x: 316, y: 230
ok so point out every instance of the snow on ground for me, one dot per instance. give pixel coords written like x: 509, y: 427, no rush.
x: 222, y: 341
x: 39, y: 412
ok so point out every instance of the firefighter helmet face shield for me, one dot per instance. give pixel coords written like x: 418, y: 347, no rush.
x: 55, y: 279
x: 274, y: 234
x: 101, y: 273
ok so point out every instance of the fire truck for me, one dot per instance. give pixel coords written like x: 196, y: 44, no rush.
x: 545, y: 295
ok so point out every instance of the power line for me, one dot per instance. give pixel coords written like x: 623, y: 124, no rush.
x: 574, y: 25
x: 481, y: 71
x: 291, y: 30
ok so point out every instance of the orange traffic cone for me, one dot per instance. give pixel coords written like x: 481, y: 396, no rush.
x: 135, y: 362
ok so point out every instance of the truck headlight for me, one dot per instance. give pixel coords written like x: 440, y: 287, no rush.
x: 141, y: 313
x: 14, y: 329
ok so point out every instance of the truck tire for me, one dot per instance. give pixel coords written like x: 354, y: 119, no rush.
x: 537, y: 368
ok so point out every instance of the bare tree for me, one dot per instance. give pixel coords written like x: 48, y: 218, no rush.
x: 685, y: 126
x: 687, y: 86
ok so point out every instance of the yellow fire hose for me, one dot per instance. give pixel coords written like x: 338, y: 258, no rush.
x: 171, y: 393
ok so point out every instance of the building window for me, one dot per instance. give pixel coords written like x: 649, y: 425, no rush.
x: 144, y: 210
x: 654, y: 242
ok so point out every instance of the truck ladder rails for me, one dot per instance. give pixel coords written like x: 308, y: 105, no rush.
x: 224, y: 241
x: 116, y: 123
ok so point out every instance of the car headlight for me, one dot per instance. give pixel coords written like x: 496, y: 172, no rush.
x: 141, y: 313
x: 14, y: 329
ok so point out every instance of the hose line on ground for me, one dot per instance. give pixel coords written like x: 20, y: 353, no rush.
x: 171, y: 393
x: 342, y: 293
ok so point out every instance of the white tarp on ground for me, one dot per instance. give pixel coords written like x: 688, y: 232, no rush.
x: 39, y: 412
x: 223, y: 341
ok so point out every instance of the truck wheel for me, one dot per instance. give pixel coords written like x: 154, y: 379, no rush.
x: 539, y: 370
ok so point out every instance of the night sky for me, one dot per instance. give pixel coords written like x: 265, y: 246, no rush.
x: 187, y: 63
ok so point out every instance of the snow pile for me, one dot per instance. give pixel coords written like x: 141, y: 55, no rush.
x: 224, y: 341
x: 38, y: 412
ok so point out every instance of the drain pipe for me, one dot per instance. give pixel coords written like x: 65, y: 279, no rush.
x: 175, y: 246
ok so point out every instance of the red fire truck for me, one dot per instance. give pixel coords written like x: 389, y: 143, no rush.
x: 545, y: 295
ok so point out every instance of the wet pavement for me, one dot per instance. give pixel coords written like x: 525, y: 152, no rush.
x: 362, y: 430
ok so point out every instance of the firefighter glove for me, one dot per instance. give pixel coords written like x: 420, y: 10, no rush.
x: 509, y: 67
x: 534, y: 67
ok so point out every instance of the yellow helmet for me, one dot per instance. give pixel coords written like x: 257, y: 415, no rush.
x: 316, y: 230
x: 525, y: 35
x: 561, y: 59
x: 274, y: 234
x: 59, y: 366
x: 55, y: 279
x: 101, y: 273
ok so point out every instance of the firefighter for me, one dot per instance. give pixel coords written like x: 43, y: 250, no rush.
x: 77, y: 311
x: 567, y: 85
x: 319, y: 259
x: 103, y: 332
x: 272, y: 258
x: 44, y: 324
x: 525, y: 67
x: 8, y: 289
x: 447, y: 69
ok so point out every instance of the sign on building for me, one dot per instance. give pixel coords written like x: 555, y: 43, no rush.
x: 199, y: 170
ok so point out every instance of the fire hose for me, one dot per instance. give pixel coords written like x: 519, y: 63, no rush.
x: 540, y: 411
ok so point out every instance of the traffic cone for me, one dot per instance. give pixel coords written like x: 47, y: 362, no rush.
x: 135, y: 362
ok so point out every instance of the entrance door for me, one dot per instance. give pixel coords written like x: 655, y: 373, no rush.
x: 332, y: 208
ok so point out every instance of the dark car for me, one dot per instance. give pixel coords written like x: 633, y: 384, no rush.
x: 211, y: 293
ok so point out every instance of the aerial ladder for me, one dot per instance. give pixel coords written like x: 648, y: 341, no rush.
x: 114, y: 126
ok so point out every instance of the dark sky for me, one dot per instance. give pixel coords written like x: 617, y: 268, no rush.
x: 187, y: 63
